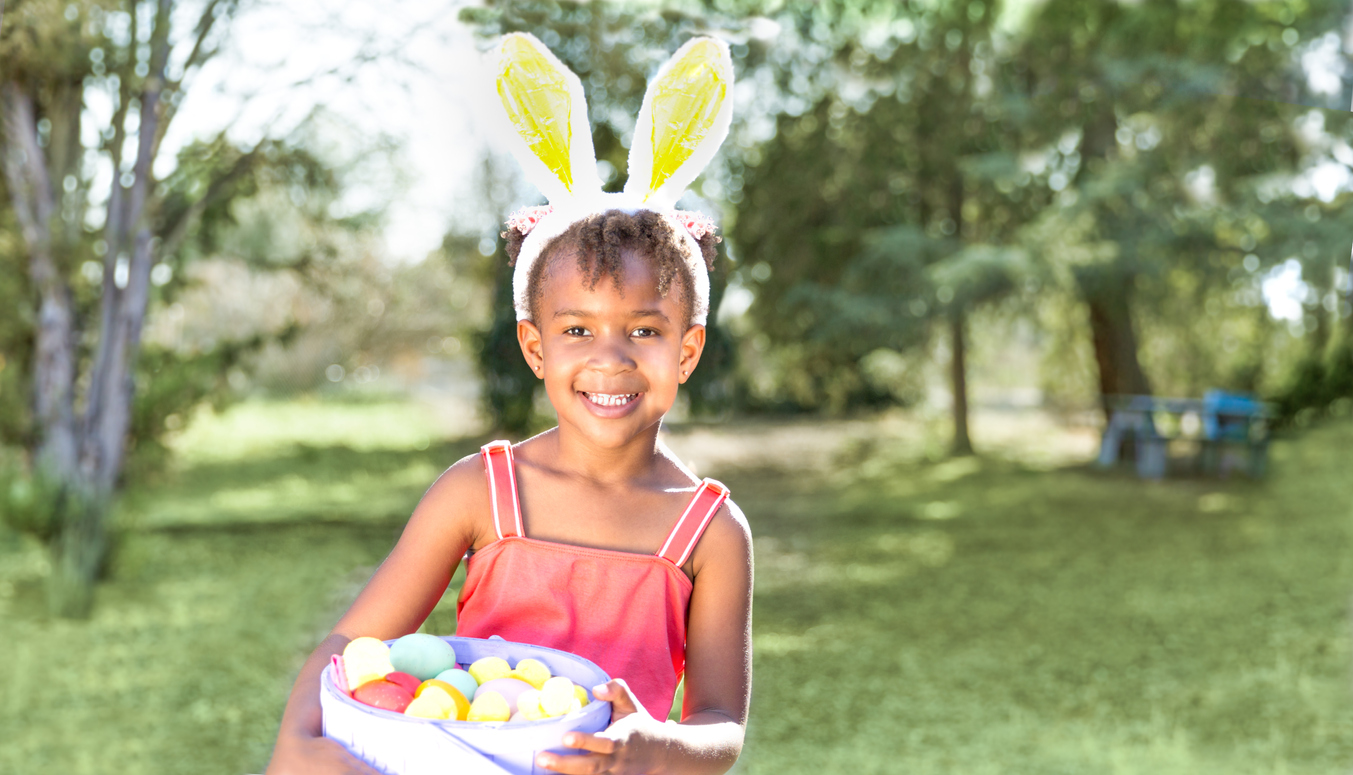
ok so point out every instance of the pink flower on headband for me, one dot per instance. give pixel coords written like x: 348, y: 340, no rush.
x: 698, y: 224
x: 525, y: 219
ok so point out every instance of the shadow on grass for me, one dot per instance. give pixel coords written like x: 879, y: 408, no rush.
x: 965, y: 616
x: 300, y: 484
x: 975, y: 616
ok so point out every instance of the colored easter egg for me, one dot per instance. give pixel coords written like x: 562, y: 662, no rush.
x: 489, y: 706
x: 404, y: 679
x: 556, y: 697
x: 510, y: 688
x: 383, y: 694
x: 422, y: 655
x: 461, y: 702
x: 461, y: 680
x: 365, y: 660
x: 532, y: 671
x: 489, y: 668
x: 581, y: 694
x: 435, y: 704
x: 528, y: 705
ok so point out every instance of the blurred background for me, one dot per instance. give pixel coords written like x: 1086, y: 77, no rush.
x: 253, y: 299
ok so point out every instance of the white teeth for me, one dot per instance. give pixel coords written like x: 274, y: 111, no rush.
x: 608, y: 399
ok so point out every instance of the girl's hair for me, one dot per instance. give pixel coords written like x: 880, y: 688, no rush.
x: 598, y: 241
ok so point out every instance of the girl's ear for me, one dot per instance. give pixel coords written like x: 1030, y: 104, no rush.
x: 551, y: 137
x: 684, y: 120
x: 692, y: 344
x: 532, y: 346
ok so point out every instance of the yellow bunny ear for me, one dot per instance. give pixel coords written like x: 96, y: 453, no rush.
x: 544, y: 102
x: 684, y: 120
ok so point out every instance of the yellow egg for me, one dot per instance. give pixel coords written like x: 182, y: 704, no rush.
x: 433, y: 704
x: 532, y: 671
x: 528, y: 705
x: 556, y: 697
x: 489, y: 668
x: 581, y: 694
x: 462, y: 705
x: 365, y: 660
x: 489, y: 706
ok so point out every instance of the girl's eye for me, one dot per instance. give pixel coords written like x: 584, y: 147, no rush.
x: 645, y: 332
x: 575, y: 331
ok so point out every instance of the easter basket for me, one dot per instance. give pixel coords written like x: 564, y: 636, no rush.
x: 402, y: 745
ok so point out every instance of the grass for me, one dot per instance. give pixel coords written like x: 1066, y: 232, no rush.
x: 969, y: 616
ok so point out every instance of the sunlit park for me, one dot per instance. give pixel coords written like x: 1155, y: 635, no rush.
x: 1029, y: 362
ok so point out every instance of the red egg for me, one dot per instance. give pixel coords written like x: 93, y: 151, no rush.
x: 405, y: 680
x: 383, y: 694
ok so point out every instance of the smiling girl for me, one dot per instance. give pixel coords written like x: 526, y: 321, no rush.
x: 591, y: 537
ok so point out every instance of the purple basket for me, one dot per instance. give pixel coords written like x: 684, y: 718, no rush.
x: 402, y: 745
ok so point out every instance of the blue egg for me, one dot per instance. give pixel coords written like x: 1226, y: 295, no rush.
x: 461, y: 680
x: 422, y: 656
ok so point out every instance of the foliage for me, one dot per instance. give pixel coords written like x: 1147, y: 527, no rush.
x: 1119, y: 123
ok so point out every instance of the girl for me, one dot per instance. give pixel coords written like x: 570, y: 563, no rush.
x: 591, y: 537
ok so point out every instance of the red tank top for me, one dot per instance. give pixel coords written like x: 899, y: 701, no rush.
x: 622, y: 610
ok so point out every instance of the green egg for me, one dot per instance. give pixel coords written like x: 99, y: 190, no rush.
x: 461, y: 680
x: 422, y: 656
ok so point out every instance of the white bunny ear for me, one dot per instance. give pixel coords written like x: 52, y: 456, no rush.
x: 544, y: 101
x: 684, y: 120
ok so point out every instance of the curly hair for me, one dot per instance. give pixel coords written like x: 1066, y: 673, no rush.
x: 598, y: 241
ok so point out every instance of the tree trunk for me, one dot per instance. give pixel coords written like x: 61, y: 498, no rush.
x: 79, y: 456
x: 77, y: 550
x: 1108, y: 299
x: 958, y: 358
x: 958, y: 376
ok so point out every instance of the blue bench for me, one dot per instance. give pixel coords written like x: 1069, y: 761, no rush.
x: 1229, y: 431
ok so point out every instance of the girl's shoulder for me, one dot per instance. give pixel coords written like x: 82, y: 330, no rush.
x: 460, y: 496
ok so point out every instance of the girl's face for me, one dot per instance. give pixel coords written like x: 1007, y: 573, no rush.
x: 611, y: 358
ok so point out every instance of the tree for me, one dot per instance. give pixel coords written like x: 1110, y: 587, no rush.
x: 895, y: 160
x: 1161, y: 157
x: 92, y: 281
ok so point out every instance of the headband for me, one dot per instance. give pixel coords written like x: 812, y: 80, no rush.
x: 683, y: 121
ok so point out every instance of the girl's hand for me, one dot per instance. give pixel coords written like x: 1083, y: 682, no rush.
x: 304, y: 755
x: 632, y: 744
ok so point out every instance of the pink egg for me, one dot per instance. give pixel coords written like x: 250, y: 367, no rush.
x: 509, y: 688
x: 405, y: 680
x: 383, y: 694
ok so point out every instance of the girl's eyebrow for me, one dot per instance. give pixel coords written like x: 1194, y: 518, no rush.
x: 638, y: 313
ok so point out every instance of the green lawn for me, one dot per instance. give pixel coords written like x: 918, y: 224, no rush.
x: 969, y: 616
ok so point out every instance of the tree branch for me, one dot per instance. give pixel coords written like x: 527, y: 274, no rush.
x: 34, y: 206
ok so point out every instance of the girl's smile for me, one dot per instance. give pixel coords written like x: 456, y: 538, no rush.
x: 611, y: 357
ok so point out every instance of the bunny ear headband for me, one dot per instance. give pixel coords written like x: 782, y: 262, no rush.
x: 683, y: 121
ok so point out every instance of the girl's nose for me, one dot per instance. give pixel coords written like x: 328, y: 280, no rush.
x: 611, y: 354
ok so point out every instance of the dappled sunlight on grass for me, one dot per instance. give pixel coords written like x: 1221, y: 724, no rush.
x: 912, y: 614
x: 1068, y: 621
x: 301, y: 483
x: 261, y: 427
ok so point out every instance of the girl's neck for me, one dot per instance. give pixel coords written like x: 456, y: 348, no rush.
x: 575, y: 455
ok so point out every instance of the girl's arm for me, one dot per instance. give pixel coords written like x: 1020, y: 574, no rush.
x: 396, y: 600
x: 718, y: 676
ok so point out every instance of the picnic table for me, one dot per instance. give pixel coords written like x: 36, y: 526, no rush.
x: 1227, y: 431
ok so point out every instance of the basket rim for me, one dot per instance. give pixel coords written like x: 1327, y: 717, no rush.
x: 329, y: 687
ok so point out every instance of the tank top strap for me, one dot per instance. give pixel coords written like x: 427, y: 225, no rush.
x: 503, y: 488
x: 709, y: 496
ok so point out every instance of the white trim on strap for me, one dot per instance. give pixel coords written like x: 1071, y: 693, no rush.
x: 512, y: 482
x: 700, y: 529
x: 487, y: 453
x: 682, y: 519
